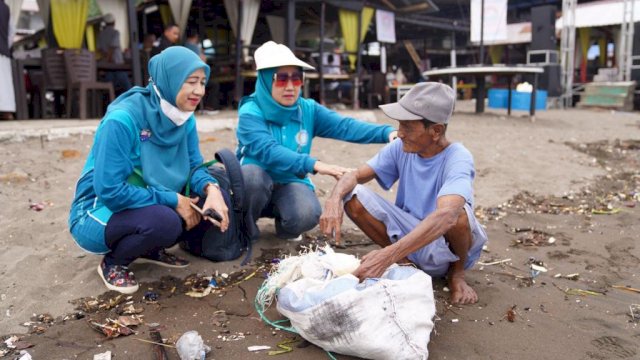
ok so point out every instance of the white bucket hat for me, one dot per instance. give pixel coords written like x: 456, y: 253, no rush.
x: 271, y: 55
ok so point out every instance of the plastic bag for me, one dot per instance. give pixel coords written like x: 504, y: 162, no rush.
x: 386, y: 318
x: 191, y: 347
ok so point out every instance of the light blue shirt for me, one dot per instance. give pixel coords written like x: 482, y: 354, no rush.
x: 421, y: 181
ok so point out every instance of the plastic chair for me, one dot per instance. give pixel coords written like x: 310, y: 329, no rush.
x: 378, y: 89
x: 82, y: 77
x: 54, y: 76
x: 402, y: 89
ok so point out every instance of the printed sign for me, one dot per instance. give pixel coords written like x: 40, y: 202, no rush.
x: 386, y: 26
x: 495, y: 20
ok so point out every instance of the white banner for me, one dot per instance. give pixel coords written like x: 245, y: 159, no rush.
x: 386, y: 26
x: 495, y: 20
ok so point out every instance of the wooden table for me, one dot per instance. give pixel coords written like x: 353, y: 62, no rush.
x: 105, y: 66
x: 480, y: 71
x: 308, y: 76
x: 246, y: 74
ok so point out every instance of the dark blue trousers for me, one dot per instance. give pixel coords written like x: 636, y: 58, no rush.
x: 133, y: 233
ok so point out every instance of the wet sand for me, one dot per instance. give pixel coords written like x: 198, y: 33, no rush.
x: 570, y: 175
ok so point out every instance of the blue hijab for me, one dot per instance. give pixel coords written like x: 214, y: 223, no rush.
x: 271, y: 109
x: 164, y: 156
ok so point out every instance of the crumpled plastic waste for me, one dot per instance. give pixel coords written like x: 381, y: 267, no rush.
x: 524, y: 87
x: 191, y: 347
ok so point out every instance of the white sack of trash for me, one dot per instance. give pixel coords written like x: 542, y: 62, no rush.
x: 390, y: 317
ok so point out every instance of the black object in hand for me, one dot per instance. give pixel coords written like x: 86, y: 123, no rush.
x: 212, y: 214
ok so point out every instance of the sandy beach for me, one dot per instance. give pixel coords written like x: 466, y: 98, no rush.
x: 562, y: 192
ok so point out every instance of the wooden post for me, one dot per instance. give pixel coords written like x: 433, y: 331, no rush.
x: 480, y: 93
x: 238, y: 85
x: 323, y: 6
x: 481, y: 32
x: 509, y: 81
x: 136, y: 70
x: 291, y: 25
x: 356, y: 82
x: 532, y: 106
x: 412, y: 53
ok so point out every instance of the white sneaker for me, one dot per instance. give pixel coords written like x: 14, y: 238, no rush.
x: 295, y: 239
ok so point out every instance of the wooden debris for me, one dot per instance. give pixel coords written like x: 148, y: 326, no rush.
x: 159, y: 352
x: 622, y: 287
x: 494, y: 262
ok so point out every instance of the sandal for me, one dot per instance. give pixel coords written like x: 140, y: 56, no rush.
x: 118, y: 278
x: 165, y: 259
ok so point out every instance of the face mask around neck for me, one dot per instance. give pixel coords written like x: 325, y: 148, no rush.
x: 177, y: 116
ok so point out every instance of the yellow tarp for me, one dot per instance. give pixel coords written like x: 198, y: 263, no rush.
x: 69, y: 21
x: 349, y: 27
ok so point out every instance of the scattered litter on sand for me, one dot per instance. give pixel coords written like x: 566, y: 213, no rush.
x: 634, y: 312
x: 574, y: 276
x: 102, y: 356
x: 24, y: 355
x: 191, y: 347
x: 579, y: 292
x: 285, y: 346
x: 536, y: 267
x: 14, y: 176
x: 112, y: 328
x: 628, y: 288
x: 39, y: 206
x: 511, y: 314
x: 150, y: 297
x: 497, y: 262
x: 70, y: 154
x: 258, y: 348
x: 532, y: 237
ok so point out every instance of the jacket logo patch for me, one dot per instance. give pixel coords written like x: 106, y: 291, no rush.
x: 145, y: 134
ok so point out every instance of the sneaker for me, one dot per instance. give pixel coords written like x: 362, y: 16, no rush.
x: 165, y: 259
x: 118, y: 278
x: 291, y: 239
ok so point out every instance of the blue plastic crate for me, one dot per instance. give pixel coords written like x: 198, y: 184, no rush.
x: 498, y: 99
x: 522, y: 100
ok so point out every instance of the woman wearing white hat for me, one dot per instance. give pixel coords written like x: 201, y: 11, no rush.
x: 275, y: 131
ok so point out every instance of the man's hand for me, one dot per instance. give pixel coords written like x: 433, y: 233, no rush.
x: 191, y: 217
x: 332, y: 170
x: 215, y: 201
x: 374, y: 264
x: 331, y: 218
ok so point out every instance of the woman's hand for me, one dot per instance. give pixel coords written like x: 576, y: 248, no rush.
x: 393, y: 135
x: 191, y: 217
x: 331, y: 170
x: 215, y: 201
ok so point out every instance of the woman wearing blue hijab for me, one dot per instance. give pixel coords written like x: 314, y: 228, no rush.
x: 148, y: 134
x: 275, y: 131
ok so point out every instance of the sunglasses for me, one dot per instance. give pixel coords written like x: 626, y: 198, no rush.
x: 282, y: 79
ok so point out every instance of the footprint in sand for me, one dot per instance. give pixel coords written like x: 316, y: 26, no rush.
x: 612, y: 346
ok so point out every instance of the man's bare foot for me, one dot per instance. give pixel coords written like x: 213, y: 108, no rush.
x: 461, y: 292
